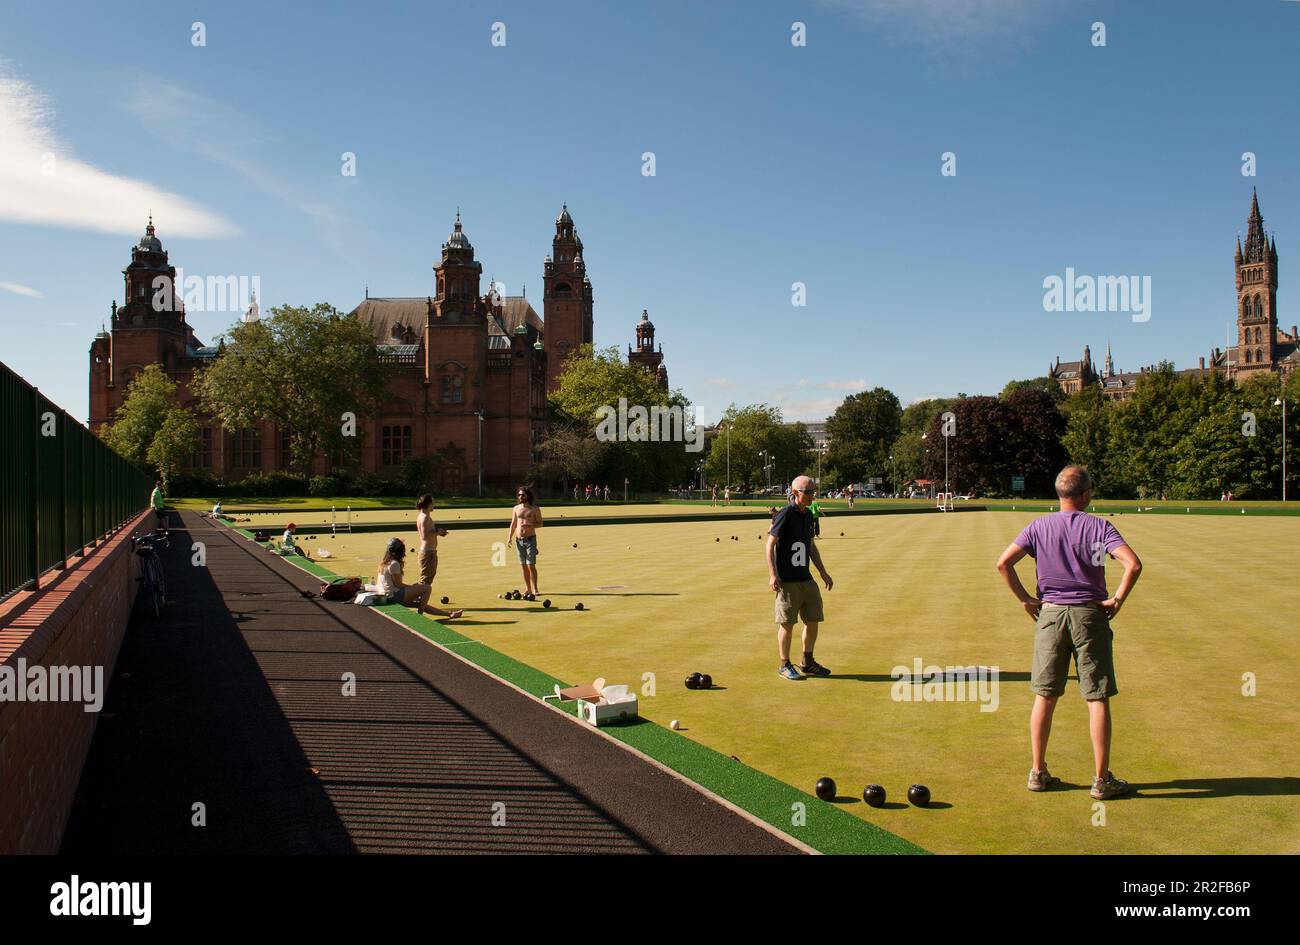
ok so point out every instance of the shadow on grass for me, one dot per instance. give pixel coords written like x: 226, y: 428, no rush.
x: 1218, y: 787
x: 924, y: 679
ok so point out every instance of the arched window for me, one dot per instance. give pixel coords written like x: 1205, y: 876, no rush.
x: 1247, y: 357
x: 1259, y: 307
x: 1245, y: 308
x: 1259, y: 357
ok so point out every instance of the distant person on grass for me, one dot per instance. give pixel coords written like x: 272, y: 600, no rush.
x: 1073, y: 614
x: 288, y: 544
x: 429, y: 535
x: 790, y: 547
x: 158, y: 501
x: 525, y: 519
x: 389, y: 582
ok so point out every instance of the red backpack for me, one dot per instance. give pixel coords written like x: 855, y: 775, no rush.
x: 341, y: 588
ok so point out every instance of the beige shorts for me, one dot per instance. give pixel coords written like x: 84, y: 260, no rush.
x: 428, y: 566
x: 799, y: 600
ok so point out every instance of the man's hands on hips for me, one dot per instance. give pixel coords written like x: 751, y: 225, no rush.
x: 1112, y: 605
x: 1033, y: 607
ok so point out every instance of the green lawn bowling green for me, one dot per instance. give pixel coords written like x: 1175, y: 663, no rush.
x: 1217, y: 768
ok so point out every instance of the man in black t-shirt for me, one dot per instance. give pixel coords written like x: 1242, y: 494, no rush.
x: 790, y: 548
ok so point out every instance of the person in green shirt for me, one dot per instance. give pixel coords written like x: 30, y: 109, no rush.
x: 157, y: 501
x: 816, y: 510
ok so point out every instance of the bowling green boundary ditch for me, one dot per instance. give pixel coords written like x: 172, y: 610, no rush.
x: 828, y: 829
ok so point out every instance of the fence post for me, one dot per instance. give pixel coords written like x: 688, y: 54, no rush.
x: 34, y: 468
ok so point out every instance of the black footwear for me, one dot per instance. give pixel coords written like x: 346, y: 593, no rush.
x: 814, y: 669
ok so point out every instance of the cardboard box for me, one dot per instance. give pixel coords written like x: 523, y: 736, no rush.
x: 603, y: 712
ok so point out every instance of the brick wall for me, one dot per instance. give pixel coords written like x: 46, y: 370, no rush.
x: 77, y: 619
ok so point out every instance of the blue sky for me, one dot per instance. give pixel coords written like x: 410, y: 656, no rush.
x: 774, y: 164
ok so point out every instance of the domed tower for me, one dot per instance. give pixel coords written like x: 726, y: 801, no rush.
x: 455, y: 332
x: 152, y: 298
x: 1256, y: 267
x: 149, y: 328
x: 566, y: 297
x: 458, y: 277
x: 645, y: 354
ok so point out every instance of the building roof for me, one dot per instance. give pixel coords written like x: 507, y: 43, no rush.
x: 383, y: 315
x: 516, y: 311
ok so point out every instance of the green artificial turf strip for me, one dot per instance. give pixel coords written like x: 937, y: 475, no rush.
x: 826, y: 828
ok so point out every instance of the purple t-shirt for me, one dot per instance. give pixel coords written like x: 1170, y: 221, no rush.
x: 1069, y: 549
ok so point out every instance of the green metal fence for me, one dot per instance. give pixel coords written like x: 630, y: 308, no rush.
x: 61, y: 488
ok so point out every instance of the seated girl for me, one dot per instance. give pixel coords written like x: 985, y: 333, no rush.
x: 389, y: 582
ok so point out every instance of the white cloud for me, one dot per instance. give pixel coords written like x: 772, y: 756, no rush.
x: 17, y: 289
x: 818, y: 409
x: 42, y: 183
x: 856, y: 384
x: 719, y: 382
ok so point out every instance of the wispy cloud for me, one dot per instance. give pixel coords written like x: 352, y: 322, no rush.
x: 856, y: 384
x: 221, y: 134
x: 43, y: 183
x: 946, y: 22
x: 17, y: 289
x: 719, y: 382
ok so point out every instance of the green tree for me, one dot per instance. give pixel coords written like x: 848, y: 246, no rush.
x: 1087, y: 441
x: 982, y: 450
x: 592, y: 384
x: 151, y: 428
x: 758, y: 438
x: 861, y: 430
x: 305, y: 370
x: 1045, y: 384
x: 175, y: 442
x: 908, y: 449
x: 150, y: 397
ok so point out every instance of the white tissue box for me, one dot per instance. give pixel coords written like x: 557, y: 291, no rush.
x: 606, y: 712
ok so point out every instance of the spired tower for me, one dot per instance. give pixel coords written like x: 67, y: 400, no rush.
x: 1256, y: 267
x: 566, y: 298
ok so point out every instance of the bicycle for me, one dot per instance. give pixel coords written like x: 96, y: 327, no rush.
x: 152, y: 585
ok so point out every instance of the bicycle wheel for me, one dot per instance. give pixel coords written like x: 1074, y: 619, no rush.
x: 157, y: 589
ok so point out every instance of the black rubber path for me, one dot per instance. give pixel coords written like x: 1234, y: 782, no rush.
x: 234, y: 700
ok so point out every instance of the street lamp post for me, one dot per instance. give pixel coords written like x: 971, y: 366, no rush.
x: 728, y: 456
x: 480, y: 452
x: 1281, y: 402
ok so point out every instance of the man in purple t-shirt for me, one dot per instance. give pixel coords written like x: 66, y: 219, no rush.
x: 1072, y: 613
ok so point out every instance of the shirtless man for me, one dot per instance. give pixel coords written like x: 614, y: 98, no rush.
x: 429, y: 535
x: 524, y: 522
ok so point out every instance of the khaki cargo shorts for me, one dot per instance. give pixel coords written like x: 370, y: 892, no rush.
x: 799, y: 600
x: 428, y: 565
x: 1079, y: 630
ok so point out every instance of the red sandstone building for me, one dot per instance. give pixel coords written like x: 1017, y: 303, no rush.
x: 1262, y: 346
x: 471, y: 369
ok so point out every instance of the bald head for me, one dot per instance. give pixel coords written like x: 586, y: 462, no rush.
x: 1073, y: 485
x: 801, y: 490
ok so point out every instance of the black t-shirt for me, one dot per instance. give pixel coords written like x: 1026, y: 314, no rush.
x: 793, y: 528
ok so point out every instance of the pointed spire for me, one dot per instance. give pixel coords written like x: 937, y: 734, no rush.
x: 1256, y: 244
